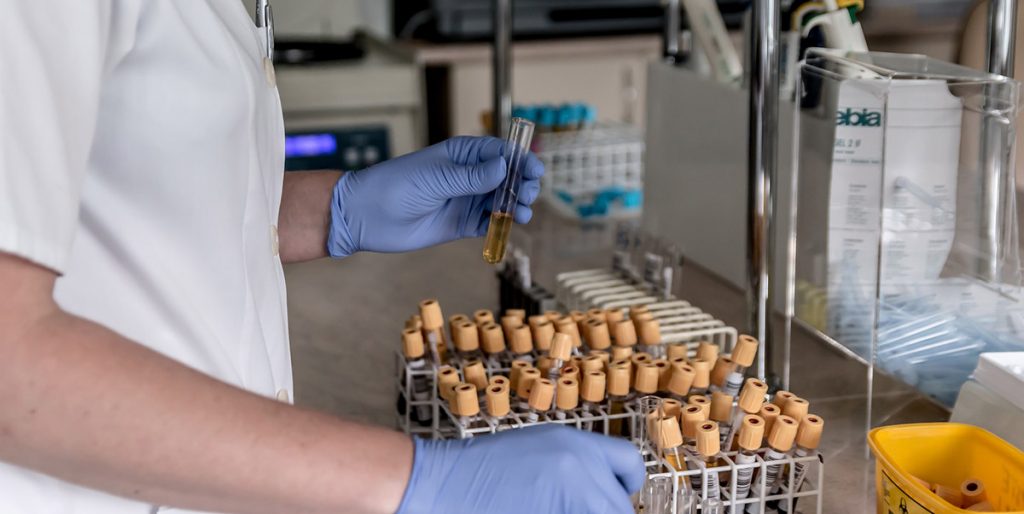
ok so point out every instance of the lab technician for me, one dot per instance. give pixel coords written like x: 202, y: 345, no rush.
x: 144, y: 218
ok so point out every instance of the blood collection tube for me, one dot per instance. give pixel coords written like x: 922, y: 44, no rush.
x: 498, y: 406
x: 749, y: 442
x: 598, y: 337
x: 433, y: 330
x: 447, y: 379
x: 671, y: 407
x: 592, y: 391
x: 796, y: 408
x: 542, y: 392
x: 467, y: 341
x: 676, y: 351
x: 700, y: 401
x: 664, y: 375
x: 781, y: 397
x: 561, y: 351
x: 649, y: 332
x: 519, y: 313
x: 543, y: 331
x: 592, y: 362
x: 680, y: 381
x: 553, y: 316
x: 621, y: 353
x: 526, y: 379
x: 670, y: 440
x: 780, y: 441
x: 708, y: 448
x: 567, y: 397
x: 466, y: 407
x: 750, y: 402
x: 720, y: 372
x: 521, y: 344
x: 514, y: 370
x: 808, y: 437
x: 742, y: 358
x: 508, y: 324
x: 454, y: 321
x: 645, y: 382
x: 708, y: 351
x: 517, y: 148
x: 624, y: 332
x: 492, y: 340
x: 769, y: 413
x: 569, y: 327
x: 483, y: 316
x: 618, y: 393
x: 473, y: 372
x: 702, y: 375
x: 721, y: 413
x: 637, y: 310
x: 691, y: 417
x: 413, y: 350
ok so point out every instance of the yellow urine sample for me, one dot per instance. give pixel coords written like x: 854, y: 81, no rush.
x: 497, y: 237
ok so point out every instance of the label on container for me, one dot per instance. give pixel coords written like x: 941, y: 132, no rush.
x: 896, y: 501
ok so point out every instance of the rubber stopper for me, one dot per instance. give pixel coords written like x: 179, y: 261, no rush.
x: 692, y: 416
x: 521, y: 342
x: 526, y: 379
x: 721, y: 407
x: 541, y: 394
x: 509, y: 324
x: 497, y: 400
x: 561, y: 346
x: 783, y: 433
x: 618, y: 380
x: 570, y: 371
x: 483, y: 316
x: 466, y: 337
x: 664, y: 373
x: 498, y: 380
x: 598, y: 337
x: 669, y: 434
x: 707, y: 351
x: 569, y: 327
x: 593, y: 386
x: 708, y: 439
x: 752, y: 395
x: 639, y: 358
x: 568, y: 395
x: 625, y: 333
x: 702, y: 373
x: 592, y: 363
x: 723, y: 367
x: 781, y: 397
x: 542, y: 335
x: 430, y: 313
x: 621, y: 352
x: 412, y: 343
x: 950, y: 494
x: 513, y: 372
x: 745, y: 350
x: 646, y: 380
x: 518, y: 313
x: 701, y: 401
x: 474, y: 373
x: 492, y: 340
x: 751, y: 432
x: 769, y: 413
x: 465, y: 402
x: 809, y: 433
x: 973, y: 492
x: 650, y: 331
x: 681, y: 379
x: 671, y: 407
x: 796, y: 408
x: 677, y: 351
x: 447, y: 378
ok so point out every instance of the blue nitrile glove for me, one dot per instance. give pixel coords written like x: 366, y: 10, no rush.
x: 425, y: 198
x: 548, y: 469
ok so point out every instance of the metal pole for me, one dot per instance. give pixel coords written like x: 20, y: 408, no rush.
x: 502, y: 67
x: 762, y: 164
x: 670, y: 48
x: 1002, y: 27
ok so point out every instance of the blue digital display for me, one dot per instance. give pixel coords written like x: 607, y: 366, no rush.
x: 310, y: 145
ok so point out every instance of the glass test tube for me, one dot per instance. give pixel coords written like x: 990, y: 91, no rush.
x: 517, y: 148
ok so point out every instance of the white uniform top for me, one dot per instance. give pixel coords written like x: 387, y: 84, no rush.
x: 141, y: 156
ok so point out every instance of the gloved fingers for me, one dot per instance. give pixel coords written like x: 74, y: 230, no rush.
x: 523, y: 214
x: 529, y: 190
x: 474, y: 179
x: 469, y: 150
x: 623, y: 459
x: 533, y: 169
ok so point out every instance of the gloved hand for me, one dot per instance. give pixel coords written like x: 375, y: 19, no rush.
x: 548, y: 469
x: 425, y: 198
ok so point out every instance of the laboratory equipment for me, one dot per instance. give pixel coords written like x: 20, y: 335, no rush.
x: 721, y: 413
x: 780, y: 442
x: 808, y: 437
x: 751, y: 402
x: 708, y: 450
x: 748, y: 442
x: 517, y: 147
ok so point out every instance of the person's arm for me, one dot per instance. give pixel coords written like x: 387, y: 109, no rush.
x: 88, y: 406
x: 305, y: 214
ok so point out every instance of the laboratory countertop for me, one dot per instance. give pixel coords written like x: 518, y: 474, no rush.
x: 346, y: 317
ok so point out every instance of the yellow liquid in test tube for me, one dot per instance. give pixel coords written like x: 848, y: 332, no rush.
x: 497, y: 237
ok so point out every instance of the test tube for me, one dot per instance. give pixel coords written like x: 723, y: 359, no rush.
x: 808, y: 436
x: 750, y: 435
x: 742, y: 358
x: 751, y: 401
x: 517, y: 148
x: 413, y: 349
x: 432, y: 321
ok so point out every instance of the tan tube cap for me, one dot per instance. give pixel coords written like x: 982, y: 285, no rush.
x: 412, y: 343
x: 475, y: 374
x: 569, y: 327
x: 646, y: 380
x: 526, y: 379
x: 664, y: 373
x: 595, y: 313
x: 781, y: 397
x: 592, y: 363
x: 669, y: 434
x: 544, y: 364
x: 542, y: 335
x: 513, y: 372
x: 509, y: 324
x: 618, y: 380
x: 598, y: 337
x: 744, y: 351
x: 671, y: 407
x: 703, y: 402
x: 561, y: 347
x: 650, y: 331
x: 430, y: 313
x: 465, y: 402
x: 414, y: 321
x: 454, y: 321
x: 809, y: 433
x: 593, y: 386
x: 568, y: 396
x: 950, y: 494
x: 707, y: 351
x: 796, y: 408
x: 752, y: 396
x: 692, y: 417
x: 519, y: 313
x: 769, y: 413
x: 639, y: 358
x: 603, y: 354
x: 721, y: 370
x: 702, y: 373
x: 492, y: 339
x: 681, y: 379
x: 447, y: 378
x: 498, y: 380
x: 636, y: 310
x: 621, y: 352
x: 677, y: 351
x: 708, y: 439
x: 522, y: 340
x: 721, y: 407
x: 465, y: 337
x: 497, y: 400
x: 782, y: 434
x: 751, y: 432
x: 553, y: 316
x: 537, y: 320
x: 541, y: 394
x: 983, y: 506
x: 570, y: 371
x: 625, y: 333
x: 483, y: 316
x: 973, y: 492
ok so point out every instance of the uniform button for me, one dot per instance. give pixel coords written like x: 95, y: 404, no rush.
x: 282, y: 396
x: 275, y: 244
